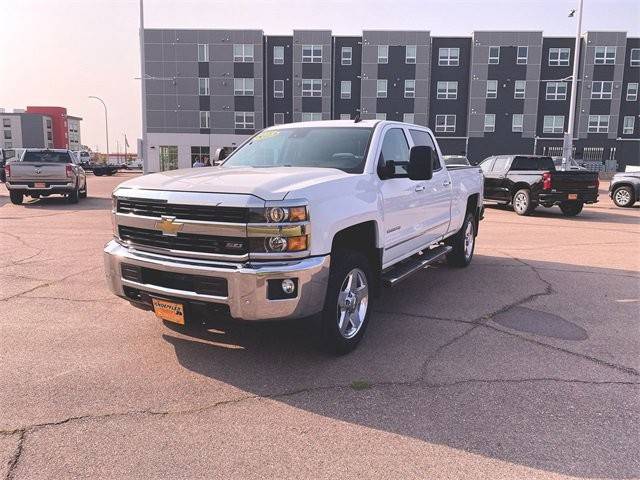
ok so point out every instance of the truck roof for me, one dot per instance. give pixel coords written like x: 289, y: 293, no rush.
x: 342, y: 124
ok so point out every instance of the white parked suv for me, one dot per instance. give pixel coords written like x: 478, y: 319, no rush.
x: 302, y: 219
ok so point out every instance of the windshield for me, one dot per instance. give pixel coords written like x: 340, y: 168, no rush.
x: 322, y: 147
x: 47, y: 157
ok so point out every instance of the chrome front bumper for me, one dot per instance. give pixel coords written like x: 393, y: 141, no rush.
x: 247, y: 283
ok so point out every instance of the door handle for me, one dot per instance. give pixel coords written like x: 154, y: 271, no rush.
x: 446, y: 183
x: 420, y: 188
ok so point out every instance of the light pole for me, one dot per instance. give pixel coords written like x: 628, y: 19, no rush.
x: 143, y: 92
x: 567, y: 144
x: 106, y: 121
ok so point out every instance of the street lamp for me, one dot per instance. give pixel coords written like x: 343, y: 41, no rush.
x: 106, y: 122
x: 567, y: 144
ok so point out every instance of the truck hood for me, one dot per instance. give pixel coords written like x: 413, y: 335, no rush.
x: 267, y: 183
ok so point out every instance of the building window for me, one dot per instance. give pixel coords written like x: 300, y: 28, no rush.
x: 203, y: 52
x: 278, y: 89
x: 449, y: 57
x: 243, y: 87
x: 446, y: 123
x: 278, y: 55
x: 632, y: 92
x: 8, y: 144
x: 203, y: 86
x: 516, y: 122
x: 346, y: 56
x: 48, y: 123
x: 559, y: 57
x: 278, y: 118
x: 244, y: 121
x: 345, y: 89
x: 49, y: 136
x: 490, y: 122
x: 519, y: 89
x: 200, y: 155
x: 523, y: 55
x: 7, y: 135
x: 556, y: 91
x: 345, y: 116
x: 408, y: 118
x: 628, y: 124
x: 634, y: 60
x: 409, y: 89
x: 6, y: 122
x: 311, y: 87
x: 494, y: 55
x: 381, y: 91
x: 553, y: 124
x: 410, y: 54
x: 312, y: 54
x: 204, y: 119
x: 383, y: 53
x: 311, y: 116
x: 243, y: 52
x: 598, y: 124
x: 601, y: 90
x: 447, y: 91
x: 605, y: 56
x: 168, y: 157
x: 381, y: 116
x: 492, y: 89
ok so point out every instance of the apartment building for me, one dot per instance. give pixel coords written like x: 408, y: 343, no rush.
x: 40, y: 127
x: 491, y: 93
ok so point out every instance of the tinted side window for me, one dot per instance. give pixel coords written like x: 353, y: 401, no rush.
x: 420, y: 137
x: 487, y: 164
x: 533, y: 163
x: 396, y: 148
x: 502, y: 163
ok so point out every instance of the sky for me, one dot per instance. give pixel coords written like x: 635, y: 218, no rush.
x: 58, y: 52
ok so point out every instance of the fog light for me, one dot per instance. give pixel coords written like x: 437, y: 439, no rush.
x: 288, y: 286
x: 277, y: 244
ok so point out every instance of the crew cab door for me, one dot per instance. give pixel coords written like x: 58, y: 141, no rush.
x: 400, y: 197
x: 434, y: 195
x: 496, y: 181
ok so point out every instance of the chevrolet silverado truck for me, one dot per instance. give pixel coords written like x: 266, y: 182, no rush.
x: 302, y: 220
x: 43, y: 172
x: 526, y: 181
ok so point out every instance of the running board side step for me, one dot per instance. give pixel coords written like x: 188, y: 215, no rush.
x: 408, y: 267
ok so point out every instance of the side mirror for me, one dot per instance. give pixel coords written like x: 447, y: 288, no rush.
x: 387, y: 170
x: 420, y: 163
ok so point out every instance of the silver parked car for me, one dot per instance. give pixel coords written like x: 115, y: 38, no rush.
x: 41, y: 172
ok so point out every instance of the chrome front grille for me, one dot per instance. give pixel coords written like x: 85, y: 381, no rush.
x: 203, y: 213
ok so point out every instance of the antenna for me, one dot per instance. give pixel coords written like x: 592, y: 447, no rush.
x: 357, y: 119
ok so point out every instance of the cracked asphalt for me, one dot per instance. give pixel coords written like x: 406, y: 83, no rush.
x: 525, y: 365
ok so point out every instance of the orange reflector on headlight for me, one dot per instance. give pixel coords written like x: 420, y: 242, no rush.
x: 297, y: 244
x: 297, y: 214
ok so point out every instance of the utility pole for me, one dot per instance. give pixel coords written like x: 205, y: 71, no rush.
x: 143, y: 91
x: 567, y: 144
x: 106, y: 121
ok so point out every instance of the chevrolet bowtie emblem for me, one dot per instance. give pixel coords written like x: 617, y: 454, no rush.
x: 169, y: 226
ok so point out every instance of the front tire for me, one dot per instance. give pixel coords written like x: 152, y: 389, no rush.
x: 16, y: 197
x: 463, y: 243
x: 83, y: 192
x: 571, y: 209
x: 522, y: 203
x: 623, y: 197
x: 347, y: 306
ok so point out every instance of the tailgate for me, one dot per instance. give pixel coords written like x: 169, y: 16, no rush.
x: 38, y: 172
x: 572, y: 181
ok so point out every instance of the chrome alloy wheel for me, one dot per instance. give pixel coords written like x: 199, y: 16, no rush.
x: 353, y: 301
x: 622, y: 197
x: 520, y: 202
x: 469, y: 239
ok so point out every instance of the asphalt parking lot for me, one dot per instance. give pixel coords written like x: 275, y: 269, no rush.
x: 525, y: 365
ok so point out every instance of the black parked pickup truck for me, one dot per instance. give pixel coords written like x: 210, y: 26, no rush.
x: 526, y: 181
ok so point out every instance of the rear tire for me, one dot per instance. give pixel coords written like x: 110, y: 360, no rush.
x: 463, y: 243
x: 623, y: 197
x: 522, y: 203
x: 97, y: 173
x: 347, y: 305
x: 73, y: 196
x: 83, y: 193
x: 16, y: 197
x: 571, y: 209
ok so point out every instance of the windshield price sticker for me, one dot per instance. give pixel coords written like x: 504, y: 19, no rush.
x: 266, y: 134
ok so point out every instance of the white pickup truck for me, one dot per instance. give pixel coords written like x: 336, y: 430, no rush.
x: 308, y: 219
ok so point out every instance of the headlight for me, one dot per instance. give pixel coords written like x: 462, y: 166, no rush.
x: 279, y: 214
